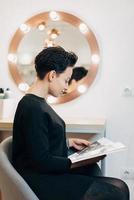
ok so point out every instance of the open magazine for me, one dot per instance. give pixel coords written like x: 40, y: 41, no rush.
x: 101, y: 147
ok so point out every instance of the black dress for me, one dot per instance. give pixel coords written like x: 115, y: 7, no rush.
x: 40, y: 152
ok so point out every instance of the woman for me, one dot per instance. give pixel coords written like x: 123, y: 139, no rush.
x: 39, y: 143
x: 77, y: 78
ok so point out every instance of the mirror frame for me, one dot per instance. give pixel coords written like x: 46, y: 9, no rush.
x: 66, y: 17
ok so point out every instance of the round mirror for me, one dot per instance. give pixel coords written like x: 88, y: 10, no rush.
x: 54, y: 29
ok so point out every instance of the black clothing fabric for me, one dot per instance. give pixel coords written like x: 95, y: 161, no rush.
x: 107, y: 188
x: 102, y: 188
x: 39, y: 140
x: 40, y: 155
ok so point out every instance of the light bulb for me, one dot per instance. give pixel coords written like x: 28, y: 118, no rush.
x: 95, y: 58
x: 41, y: 26
x: 12, y: 58
x: 23, y: 86
x: 82, y: 88
x: 54, y: 16
x: 51, y: 99
x: 25, y: 28
x: 83, y: 28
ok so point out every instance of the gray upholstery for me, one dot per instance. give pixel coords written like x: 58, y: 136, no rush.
x: 12, y: 185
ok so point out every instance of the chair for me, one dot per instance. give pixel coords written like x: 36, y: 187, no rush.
x: 12, y: 185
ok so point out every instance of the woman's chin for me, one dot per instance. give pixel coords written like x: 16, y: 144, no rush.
x: 56, y: 95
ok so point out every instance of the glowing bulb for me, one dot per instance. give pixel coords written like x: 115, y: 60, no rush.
x: 49, y: 43
x: 23, y: 87
x: 24, y: 28
x: 53, y: 33
x: 51, y: 99
x: 82, y: 88
x: 53, y: 36
x: 41, y: 26
x: 83, y: 28
x: 95, y: 58
x: 12, y: 57
x: 54, y: 16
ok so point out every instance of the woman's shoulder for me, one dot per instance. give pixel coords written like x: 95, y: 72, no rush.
x: 31, y: 98
x: 32, y: 102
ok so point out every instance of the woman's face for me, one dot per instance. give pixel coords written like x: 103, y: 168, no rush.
x: 59, y: 82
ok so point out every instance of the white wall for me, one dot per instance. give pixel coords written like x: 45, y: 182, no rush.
x: 113, y: 24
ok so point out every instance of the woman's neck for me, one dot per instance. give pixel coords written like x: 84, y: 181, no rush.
x: 39, y: 88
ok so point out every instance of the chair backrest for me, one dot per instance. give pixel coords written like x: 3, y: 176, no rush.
x: 12, y: 185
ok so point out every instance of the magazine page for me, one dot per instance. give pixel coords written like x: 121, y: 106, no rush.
x: 101, y: 147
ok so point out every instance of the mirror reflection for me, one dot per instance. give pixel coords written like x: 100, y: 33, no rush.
x: 77, y: 77
x: 54, y: 29
x: 54, y: 34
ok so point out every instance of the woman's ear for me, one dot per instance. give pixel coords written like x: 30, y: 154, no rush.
x: 51, y: 75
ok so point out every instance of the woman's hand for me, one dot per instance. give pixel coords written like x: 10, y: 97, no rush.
x: 78, y: 144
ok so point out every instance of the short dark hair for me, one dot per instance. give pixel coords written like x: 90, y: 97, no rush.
x: 53, y: 58
x: 78, y: 73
